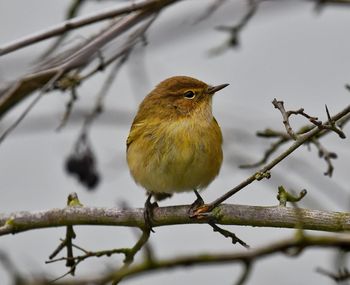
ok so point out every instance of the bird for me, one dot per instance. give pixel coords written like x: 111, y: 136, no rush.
x: 175, y: 142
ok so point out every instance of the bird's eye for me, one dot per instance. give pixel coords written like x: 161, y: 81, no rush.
x: 189, y: 95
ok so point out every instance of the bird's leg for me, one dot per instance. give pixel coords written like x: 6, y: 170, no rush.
x: 148, y: 212
x: 199, y: 201
x: 196, y: 204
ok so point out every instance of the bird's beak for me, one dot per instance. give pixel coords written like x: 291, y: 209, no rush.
x: 213, y: 89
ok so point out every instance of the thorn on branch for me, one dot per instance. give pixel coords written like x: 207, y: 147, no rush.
x: 284, y: 196
x: 332, y: 126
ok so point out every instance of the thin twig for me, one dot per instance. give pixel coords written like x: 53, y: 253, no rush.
x: 248, y: 265
x: 284, y: 138
x: 228, y: 234
x: 69, y: 108
x: 78, y: 59
x: 234, y: 31
x: 133, y: 39
x: 326, y: 155
x: 72, y: 12
x: 286, y: 114
x: 270, y: 151
x: 340, y: 276
x: 98, y: 107
x: 211, y: 9
x: 122, y: 55
x: 45, y: 89
x: 88, y: 254
x: 129, y: 254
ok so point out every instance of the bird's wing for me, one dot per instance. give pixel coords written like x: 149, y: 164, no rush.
x: 134, y: 133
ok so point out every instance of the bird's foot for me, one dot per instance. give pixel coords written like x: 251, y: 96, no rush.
x: 198, y: 207
x: 148, y: 212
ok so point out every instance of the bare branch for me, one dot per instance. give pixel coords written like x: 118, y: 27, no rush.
x: 129, y: 253
x: 45, y: 89
x: 226, y: 214
x: 72, y: 12
x: 122, y: 55
x: 210, y: 10
x: 70, y: 103
x: 284, y: 138
x: 234, y: 31
x: 271, y: 150
x: 246, y: 272
x: 316, y: 131
x: 326, y: 155
x: 78, y: 59
x: 296, y: 243
x: 228, y: 234
x: 286, y: 114
x: 80, y: 22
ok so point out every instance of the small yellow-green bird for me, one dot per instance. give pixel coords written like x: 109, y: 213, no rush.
x: 175, y: 143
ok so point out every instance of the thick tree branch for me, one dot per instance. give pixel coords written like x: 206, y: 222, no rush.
x: 226, y: 214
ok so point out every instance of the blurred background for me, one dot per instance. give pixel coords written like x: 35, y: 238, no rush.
x: 289, y: 50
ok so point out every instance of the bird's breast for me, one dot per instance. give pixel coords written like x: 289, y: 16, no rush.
x: 176, y: 156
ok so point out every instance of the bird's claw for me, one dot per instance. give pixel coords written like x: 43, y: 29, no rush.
x: 199, y: 212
